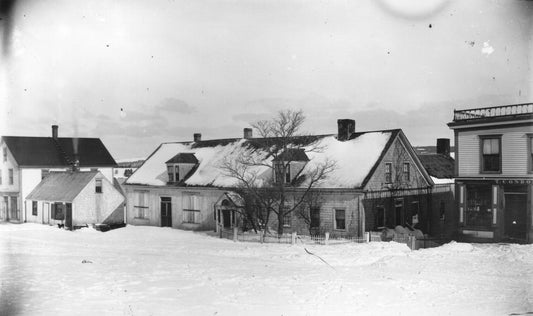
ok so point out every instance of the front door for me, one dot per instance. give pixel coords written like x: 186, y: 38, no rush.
x: 68, y: 216
x: 13, y: 209
x: 399, y: 213
x: 166, y: 212
x: 46, y: 213
x: 515, y: 215
x: 226, y: 217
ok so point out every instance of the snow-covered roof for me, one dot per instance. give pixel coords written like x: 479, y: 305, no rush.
x: 354, y: 159
x: 442, y: 180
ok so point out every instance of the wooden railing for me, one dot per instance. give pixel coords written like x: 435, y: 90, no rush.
x: 495, y: 111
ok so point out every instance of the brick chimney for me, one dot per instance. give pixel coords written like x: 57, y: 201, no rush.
x: 346, y: 127
x: 54, y: 131
x: 443, y: 146
x: 197, y: 137
x: 247, y: 133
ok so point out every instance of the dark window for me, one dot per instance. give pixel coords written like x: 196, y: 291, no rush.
x: 5, y: 154
x: 442, y: 210
x: 288, y: 174
x: 34, y: 208
x: 128, y: 172
x: 98, y: 187
x: 340, y: 219
x: 406, y: 171
x: 491, y: 157
x: 388, y: 172
x: 177, y: 173
x: 415, y: 208
x: 479, y: 206
x: 315, y: 217
x: 170, y: 171
x: 10, y: 176
x: 58, y: 211
x: 379, y: 220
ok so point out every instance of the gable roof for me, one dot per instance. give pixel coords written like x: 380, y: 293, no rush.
x: 438, y: 166
x: 61, y: 186
x: 183, y: 158
x: 354, y: 159
x: 50, y: 152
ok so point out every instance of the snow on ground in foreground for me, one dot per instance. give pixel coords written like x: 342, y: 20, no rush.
x: 163, y: 271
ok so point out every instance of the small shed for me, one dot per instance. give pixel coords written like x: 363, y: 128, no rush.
x: 76, y: 199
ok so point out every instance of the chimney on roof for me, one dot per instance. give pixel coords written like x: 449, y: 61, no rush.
x: 247, y: 133
x: 443, y: 146
x: 197, y: 137
x: 346, y: 127
x: 54, y: 131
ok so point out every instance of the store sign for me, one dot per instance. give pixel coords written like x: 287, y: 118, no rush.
x: 514, y: 181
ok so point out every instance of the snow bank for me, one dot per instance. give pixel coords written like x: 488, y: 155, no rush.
x: 142, y: 270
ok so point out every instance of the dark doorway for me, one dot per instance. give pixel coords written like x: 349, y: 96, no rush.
x: 399, y: 213
x: 14, y: 214
x: 515, y: 215
x: 226, y: 218
x: 166, y: 212
x: 68, y: 216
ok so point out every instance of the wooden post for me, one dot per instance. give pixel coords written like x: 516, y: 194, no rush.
x: 235, y: 233
x: 219, y: 230
x: 412, y: 242
x: 327, y: 238
x: 293, y: 238
x: 367, y: 235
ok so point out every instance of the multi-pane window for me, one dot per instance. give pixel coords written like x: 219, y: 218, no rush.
x: 379, y: 220
x: 191, y: 209
x: 388, y: 172
x: 34, y: 208
x: 10, y: 176
x: 278, y: 172
x: 406, y: 171
x: 141, y: 204
x: 98, y: 186
x: 315, y: 217
x: 340, y: 219
x: 170, y: 171
x: 491, y: 154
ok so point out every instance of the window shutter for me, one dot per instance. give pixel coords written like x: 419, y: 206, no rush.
x: 462, y: 199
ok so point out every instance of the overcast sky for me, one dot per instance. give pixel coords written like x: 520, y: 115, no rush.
x: 180, y: 67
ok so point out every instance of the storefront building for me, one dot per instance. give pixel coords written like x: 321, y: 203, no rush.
x: 494, y: 173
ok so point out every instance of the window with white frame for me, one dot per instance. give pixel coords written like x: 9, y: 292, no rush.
x: 98, y: 186
x: 34, y: 208
x: 491, y: 154
x: 191, y: 209
x: 10, y: 176
x: 406, y: 171
x: 340, y: 219
x: 141, y: 204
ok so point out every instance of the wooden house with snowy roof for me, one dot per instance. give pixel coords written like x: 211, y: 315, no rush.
x: 378, y: 182
x: 26, y: 161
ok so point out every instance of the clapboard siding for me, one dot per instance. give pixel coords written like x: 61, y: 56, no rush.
x: 514, y: 151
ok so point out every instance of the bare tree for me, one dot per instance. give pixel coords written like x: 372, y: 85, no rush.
x: 279, y: 147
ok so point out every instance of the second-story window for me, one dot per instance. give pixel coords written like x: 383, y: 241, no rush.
x: 5, y: 153
x: 278, y: 172
x: 170, y: 171
x: 177, y: 173
x: 406, y: 171
x: 98, y: 187
x: 10, y: 176
x: 491, y: 154
x: 388, y: 172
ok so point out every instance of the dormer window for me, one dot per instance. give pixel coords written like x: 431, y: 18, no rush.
x: 179, y: 166
x: 289, y: 164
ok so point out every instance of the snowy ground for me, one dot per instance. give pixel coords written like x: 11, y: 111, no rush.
x: 163, y: 271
